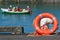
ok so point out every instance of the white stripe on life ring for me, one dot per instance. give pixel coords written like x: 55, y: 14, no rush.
x: 40, y: 16
x: 54, y: 18
x: 51, y: 30
x: 37, y: 28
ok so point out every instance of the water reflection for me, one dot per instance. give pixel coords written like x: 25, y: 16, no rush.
x: 14, y: 19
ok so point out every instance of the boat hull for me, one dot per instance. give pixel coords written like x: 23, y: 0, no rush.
x: 14, y: 12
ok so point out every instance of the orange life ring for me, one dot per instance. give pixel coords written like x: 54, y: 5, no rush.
x: 47, y: 31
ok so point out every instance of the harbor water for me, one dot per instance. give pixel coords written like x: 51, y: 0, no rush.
x: 26, y: 20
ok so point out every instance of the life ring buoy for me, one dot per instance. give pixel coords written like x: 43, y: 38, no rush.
x: 47, y: 31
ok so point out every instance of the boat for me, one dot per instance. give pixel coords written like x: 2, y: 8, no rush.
x: 14, y: 12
